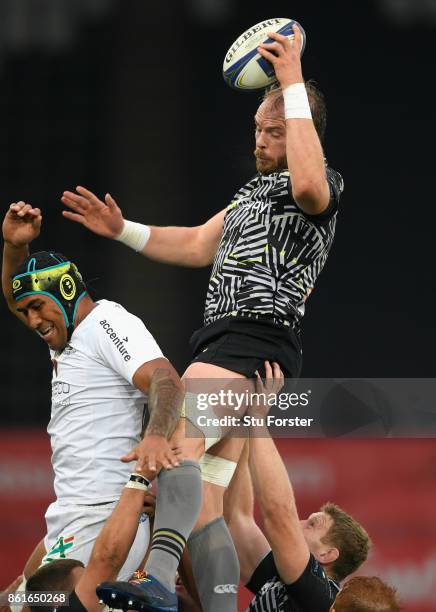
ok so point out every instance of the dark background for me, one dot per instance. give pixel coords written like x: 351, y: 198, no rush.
x: 127, y: 97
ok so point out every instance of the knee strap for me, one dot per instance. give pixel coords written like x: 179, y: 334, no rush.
x: 217, y: 470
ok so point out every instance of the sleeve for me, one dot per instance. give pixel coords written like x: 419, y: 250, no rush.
x: 124, y: 343
x: 263, y: 572
x: 312, y: 590
x: 336, y: 186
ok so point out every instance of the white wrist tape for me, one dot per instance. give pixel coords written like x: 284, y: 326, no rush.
x: 137, y: 481
x: 296, y: 102
x: 134, y: 235
x: 217, y: 470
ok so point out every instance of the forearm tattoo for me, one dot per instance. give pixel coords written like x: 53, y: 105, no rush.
x: 164, y: 402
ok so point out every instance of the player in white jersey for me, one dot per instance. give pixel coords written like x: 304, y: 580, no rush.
x: 105, y: 362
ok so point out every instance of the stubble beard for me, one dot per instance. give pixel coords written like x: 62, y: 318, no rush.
x: 268, y: 166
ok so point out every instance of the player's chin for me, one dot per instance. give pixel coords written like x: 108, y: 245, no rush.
x: 56, y: 343
x: 265, y: 166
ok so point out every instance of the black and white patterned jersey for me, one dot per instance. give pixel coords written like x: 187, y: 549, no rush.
x: 314, y: 591
x: 271, y: 252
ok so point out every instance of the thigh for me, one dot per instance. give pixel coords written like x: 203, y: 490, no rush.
x: 209, y: 378
x: 201, y: 369
x: 212, y: 393
x: 229, y: 448
x: 35, y: 560
x: 72, y: 531
x: 204, y: 378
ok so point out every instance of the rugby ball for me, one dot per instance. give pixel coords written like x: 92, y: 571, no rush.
x: 244, y: 68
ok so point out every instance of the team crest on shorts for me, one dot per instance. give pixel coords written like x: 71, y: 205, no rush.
x: 59, y: 548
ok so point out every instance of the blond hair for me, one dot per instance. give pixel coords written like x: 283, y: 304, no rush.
x: 349, y: 537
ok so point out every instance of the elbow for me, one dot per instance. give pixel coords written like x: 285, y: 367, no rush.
x: 281, y: 520
x: 312, y: 196
x: 201, y: 250
x: 279, y: 511
x: 304, y: 189
x: 200, y: 258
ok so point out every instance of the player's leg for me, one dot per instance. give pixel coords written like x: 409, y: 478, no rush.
x: 214, y: 559
x: 32, y: 564
x: 40, y: 551
x: 213, y: 555
x: 236, y: 356
x: 173, y: 523
x: 178, y: 504
x: 177, y: 509
x: 35, y: 559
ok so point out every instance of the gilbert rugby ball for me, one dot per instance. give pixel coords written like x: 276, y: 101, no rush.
x: 244, y: 68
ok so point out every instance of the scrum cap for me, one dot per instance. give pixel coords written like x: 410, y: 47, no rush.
x: 51, y: 274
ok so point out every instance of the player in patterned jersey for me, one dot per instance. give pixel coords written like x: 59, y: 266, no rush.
x: 267, y: 249
x: 294, y: 566
x: 105, y: 362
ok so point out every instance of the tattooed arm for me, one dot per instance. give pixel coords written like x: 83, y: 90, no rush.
x: 164, y: 403
x: 159, y: 379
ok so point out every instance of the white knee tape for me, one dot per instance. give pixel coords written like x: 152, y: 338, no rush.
x: 201, y: 415
x: 217, y: 470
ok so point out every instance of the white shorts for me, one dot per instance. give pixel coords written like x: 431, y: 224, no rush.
x: 72, y: 531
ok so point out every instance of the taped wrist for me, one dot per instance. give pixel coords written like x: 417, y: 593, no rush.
x: 296, y: 102
x: 134, y: 235
x: 137, y: 481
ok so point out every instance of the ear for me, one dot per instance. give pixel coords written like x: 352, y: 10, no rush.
x: 328, y: 556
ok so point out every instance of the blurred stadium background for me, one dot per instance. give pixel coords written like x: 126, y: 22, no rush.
x: 128, y: 98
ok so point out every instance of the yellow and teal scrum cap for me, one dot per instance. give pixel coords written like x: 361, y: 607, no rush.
x: 53, y: 275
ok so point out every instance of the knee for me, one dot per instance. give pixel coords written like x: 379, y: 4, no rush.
x: 189, y: 448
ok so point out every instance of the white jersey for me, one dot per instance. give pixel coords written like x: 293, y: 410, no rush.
x: 96, y: 414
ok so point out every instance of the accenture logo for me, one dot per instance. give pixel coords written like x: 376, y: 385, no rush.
x: 116, y: 340
x: 221, y: 589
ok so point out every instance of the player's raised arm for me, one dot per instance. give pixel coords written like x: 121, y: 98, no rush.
x: 274, y: 493
x: 250, y: 543
x: 185, y: 246
x: 303, y: 147
x: 113, y: 544
x: 21, y: 225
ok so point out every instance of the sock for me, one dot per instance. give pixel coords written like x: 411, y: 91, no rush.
x: 215, y: 566
x: 178, y: 504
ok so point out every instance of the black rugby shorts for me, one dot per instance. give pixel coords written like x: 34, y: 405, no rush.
x: 243, y: 344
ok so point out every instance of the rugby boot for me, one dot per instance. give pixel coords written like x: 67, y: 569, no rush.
x: 143, y: 592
